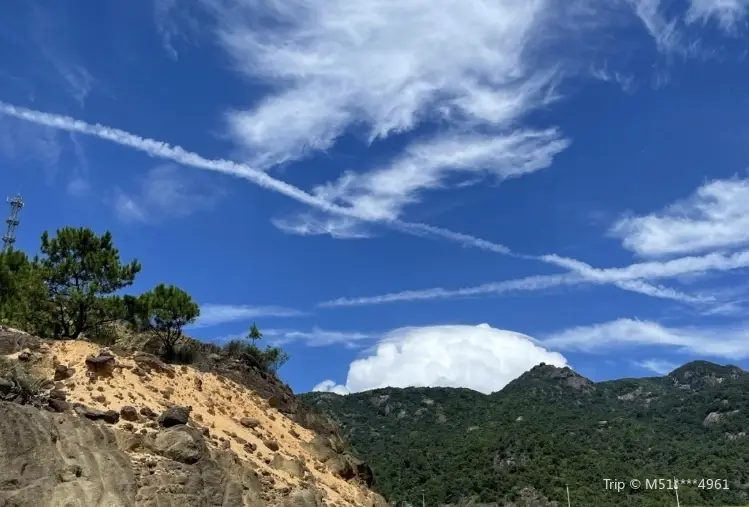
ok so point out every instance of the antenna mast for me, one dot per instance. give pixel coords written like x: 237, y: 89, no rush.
x: 16, y: 205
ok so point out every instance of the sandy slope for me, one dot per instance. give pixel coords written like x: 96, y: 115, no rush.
x: 217, y: 404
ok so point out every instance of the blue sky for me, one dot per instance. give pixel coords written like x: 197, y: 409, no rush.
x: 403, y: 193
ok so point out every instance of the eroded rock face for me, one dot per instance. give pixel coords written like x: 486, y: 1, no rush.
x: 50, y: 459
x: 58, y: 459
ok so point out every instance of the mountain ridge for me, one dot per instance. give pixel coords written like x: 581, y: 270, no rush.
x: 550, y: 428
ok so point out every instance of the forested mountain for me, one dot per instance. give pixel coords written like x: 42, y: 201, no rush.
x: 551, y: 428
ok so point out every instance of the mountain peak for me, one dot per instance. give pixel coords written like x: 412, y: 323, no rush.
x: 697, y: 373
x: 548, y: 373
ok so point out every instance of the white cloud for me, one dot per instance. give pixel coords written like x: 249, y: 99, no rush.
x: 78, y: 186
x: 309, y: 224
x: 388, y: 67
x: 659, y: 366
x: 24, y: 142
x: 52, y: 44
x: 166, y: 192
x: 531, y: 283
x: 215, y: 314
x: 318, y: 337
x: 383, y: 193
x: 175, y: 22
x: 605, y: 74
x: 727, y: 342
x: 663, y: 30
x: 383, y: 65
x: 634, y: 277
x: 476, y: 357
x: 727, y: 13
x: 669, y: 29
x: 165, y: 24
x: 329, y: 386
x: 715, y: 216
x: 181, y: 156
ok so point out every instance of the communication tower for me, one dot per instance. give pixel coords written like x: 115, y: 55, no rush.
x: 16, y: 205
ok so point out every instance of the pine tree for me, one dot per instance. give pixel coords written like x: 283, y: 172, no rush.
x: 82, y: 272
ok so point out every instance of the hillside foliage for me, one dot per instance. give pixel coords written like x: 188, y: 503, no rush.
x: 551, y: 428
x: 74, y: 288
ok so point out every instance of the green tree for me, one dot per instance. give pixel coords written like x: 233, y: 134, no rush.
x: 164, y: 310
x: 82, y: 272
x: 270, y: 359
x: 23, y: 297
x: 255, y: 334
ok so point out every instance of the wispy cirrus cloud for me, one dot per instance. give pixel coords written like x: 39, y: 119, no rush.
x: 713, y: 219
x: 729, y: 14
x: 216, y: 314
x: 634, y: 277
x: 175, y: 22
x: 724, y: 342
x: 315, y: 224
x: 630, y: 278
x: 165, y: 192
x: 387, y: 68
x: 318, y: 337
x: 659, y: 366
x: 383, y: 193
x: 663, y: 29
x: 670, y: 27
x: 159, y: 149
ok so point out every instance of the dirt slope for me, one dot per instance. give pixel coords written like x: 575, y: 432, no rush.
x: 130, y: 391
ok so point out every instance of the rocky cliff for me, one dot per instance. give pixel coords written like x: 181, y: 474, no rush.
x: 124, y: 429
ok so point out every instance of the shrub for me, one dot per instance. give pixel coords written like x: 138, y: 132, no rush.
x: 105, y: 335
x: 27, y: 386
x: 186, y: 354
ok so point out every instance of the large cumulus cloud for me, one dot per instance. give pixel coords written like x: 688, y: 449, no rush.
x: 477, y: 357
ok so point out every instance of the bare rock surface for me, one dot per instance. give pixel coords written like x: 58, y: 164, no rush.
x: 51, y: 459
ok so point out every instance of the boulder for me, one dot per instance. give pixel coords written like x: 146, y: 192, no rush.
x: 293, y: 467
x: 62, y: 372
x: 304, y: 498
x: 173, y: 416
x: 109, y: 416
x: 150, y: 363
x: 101, y: 365
x: 271, y: 444
x: 180, y: 443
x: 58, y: 395
x: 129, y: 413
x: 249, y: 422
x: 147, y: 412
x: 58, y: 405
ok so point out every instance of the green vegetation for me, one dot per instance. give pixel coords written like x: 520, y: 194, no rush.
x: 21, y: 385
x: 23, y: 296
x: 73, y: 289
x: 551, y: 428
x: 82, y: 272
x: 270, y: 359
x: 164, y: 311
